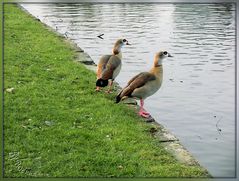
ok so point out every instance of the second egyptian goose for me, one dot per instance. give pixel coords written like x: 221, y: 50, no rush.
x: 109, y: 66
x: 145, y: 84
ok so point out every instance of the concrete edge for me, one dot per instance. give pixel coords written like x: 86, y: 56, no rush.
x: 169, y: 141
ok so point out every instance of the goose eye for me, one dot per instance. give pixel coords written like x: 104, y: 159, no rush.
x: 124, y: 40
x: 165, y: 53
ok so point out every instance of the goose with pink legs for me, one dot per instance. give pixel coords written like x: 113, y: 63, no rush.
x: 145, y: 84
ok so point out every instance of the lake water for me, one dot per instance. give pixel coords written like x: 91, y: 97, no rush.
x: 197, y: 99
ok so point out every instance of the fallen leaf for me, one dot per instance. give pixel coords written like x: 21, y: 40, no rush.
x: 10, y: 90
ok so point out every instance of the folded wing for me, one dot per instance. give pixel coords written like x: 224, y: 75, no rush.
x: 102, y: 65
x: 111, y: 66
x: 136, y: 82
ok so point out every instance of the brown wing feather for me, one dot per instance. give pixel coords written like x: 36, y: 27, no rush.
x: 136, y: 76
x: 136, y: 82
x: 102, y: 65
x: 111, y: 65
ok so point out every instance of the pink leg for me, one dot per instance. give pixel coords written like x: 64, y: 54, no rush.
x: 142, y: 112
x: 97, y: 89
x: 110, y: 86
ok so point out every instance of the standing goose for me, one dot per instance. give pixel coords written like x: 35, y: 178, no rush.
x: 109, y: 65
x: 145, y: 84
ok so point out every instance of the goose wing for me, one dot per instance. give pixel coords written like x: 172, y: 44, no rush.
x: 102, y: 65
x: 137, y: 82
x: 113, y: 63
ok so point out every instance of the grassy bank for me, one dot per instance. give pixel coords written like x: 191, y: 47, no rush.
x: 55, y: 125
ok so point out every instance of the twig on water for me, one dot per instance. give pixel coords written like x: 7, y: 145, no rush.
x: 100, y: 36
x: 199, y: 137
x: 219, y: 129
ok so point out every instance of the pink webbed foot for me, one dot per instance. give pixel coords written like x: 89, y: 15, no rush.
x: 144, y: 111
x: 109, y: 91
x: 144, y: 114
x: 97, y: 89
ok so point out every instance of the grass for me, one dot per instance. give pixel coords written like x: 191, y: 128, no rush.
x: 56, y: 125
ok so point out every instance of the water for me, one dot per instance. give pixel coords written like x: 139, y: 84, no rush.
x: 196, y: 101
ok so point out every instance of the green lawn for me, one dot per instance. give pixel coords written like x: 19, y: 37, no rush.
x: 56, y: 125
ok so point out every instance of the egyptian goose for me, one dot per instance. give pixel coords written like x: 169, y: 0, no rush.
x: 109, y: 65
x: 145, y: 84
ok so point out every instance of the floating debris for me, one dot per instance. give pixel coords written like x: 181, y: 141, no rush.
x: 219, y: 129
x: 199, y: 137
x: 100, y: 36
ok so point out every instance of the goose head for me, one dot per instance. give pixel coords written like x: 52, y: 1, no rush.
x: 119, y: 44
x: 160, y: 56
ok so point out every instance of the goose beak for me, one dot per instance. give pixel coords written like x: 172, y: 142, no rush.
x: 169, y: 55
x: 127, y: 43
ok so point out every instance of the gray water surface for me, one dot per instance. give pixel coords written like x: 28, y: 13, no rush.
x: 197, y: 99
